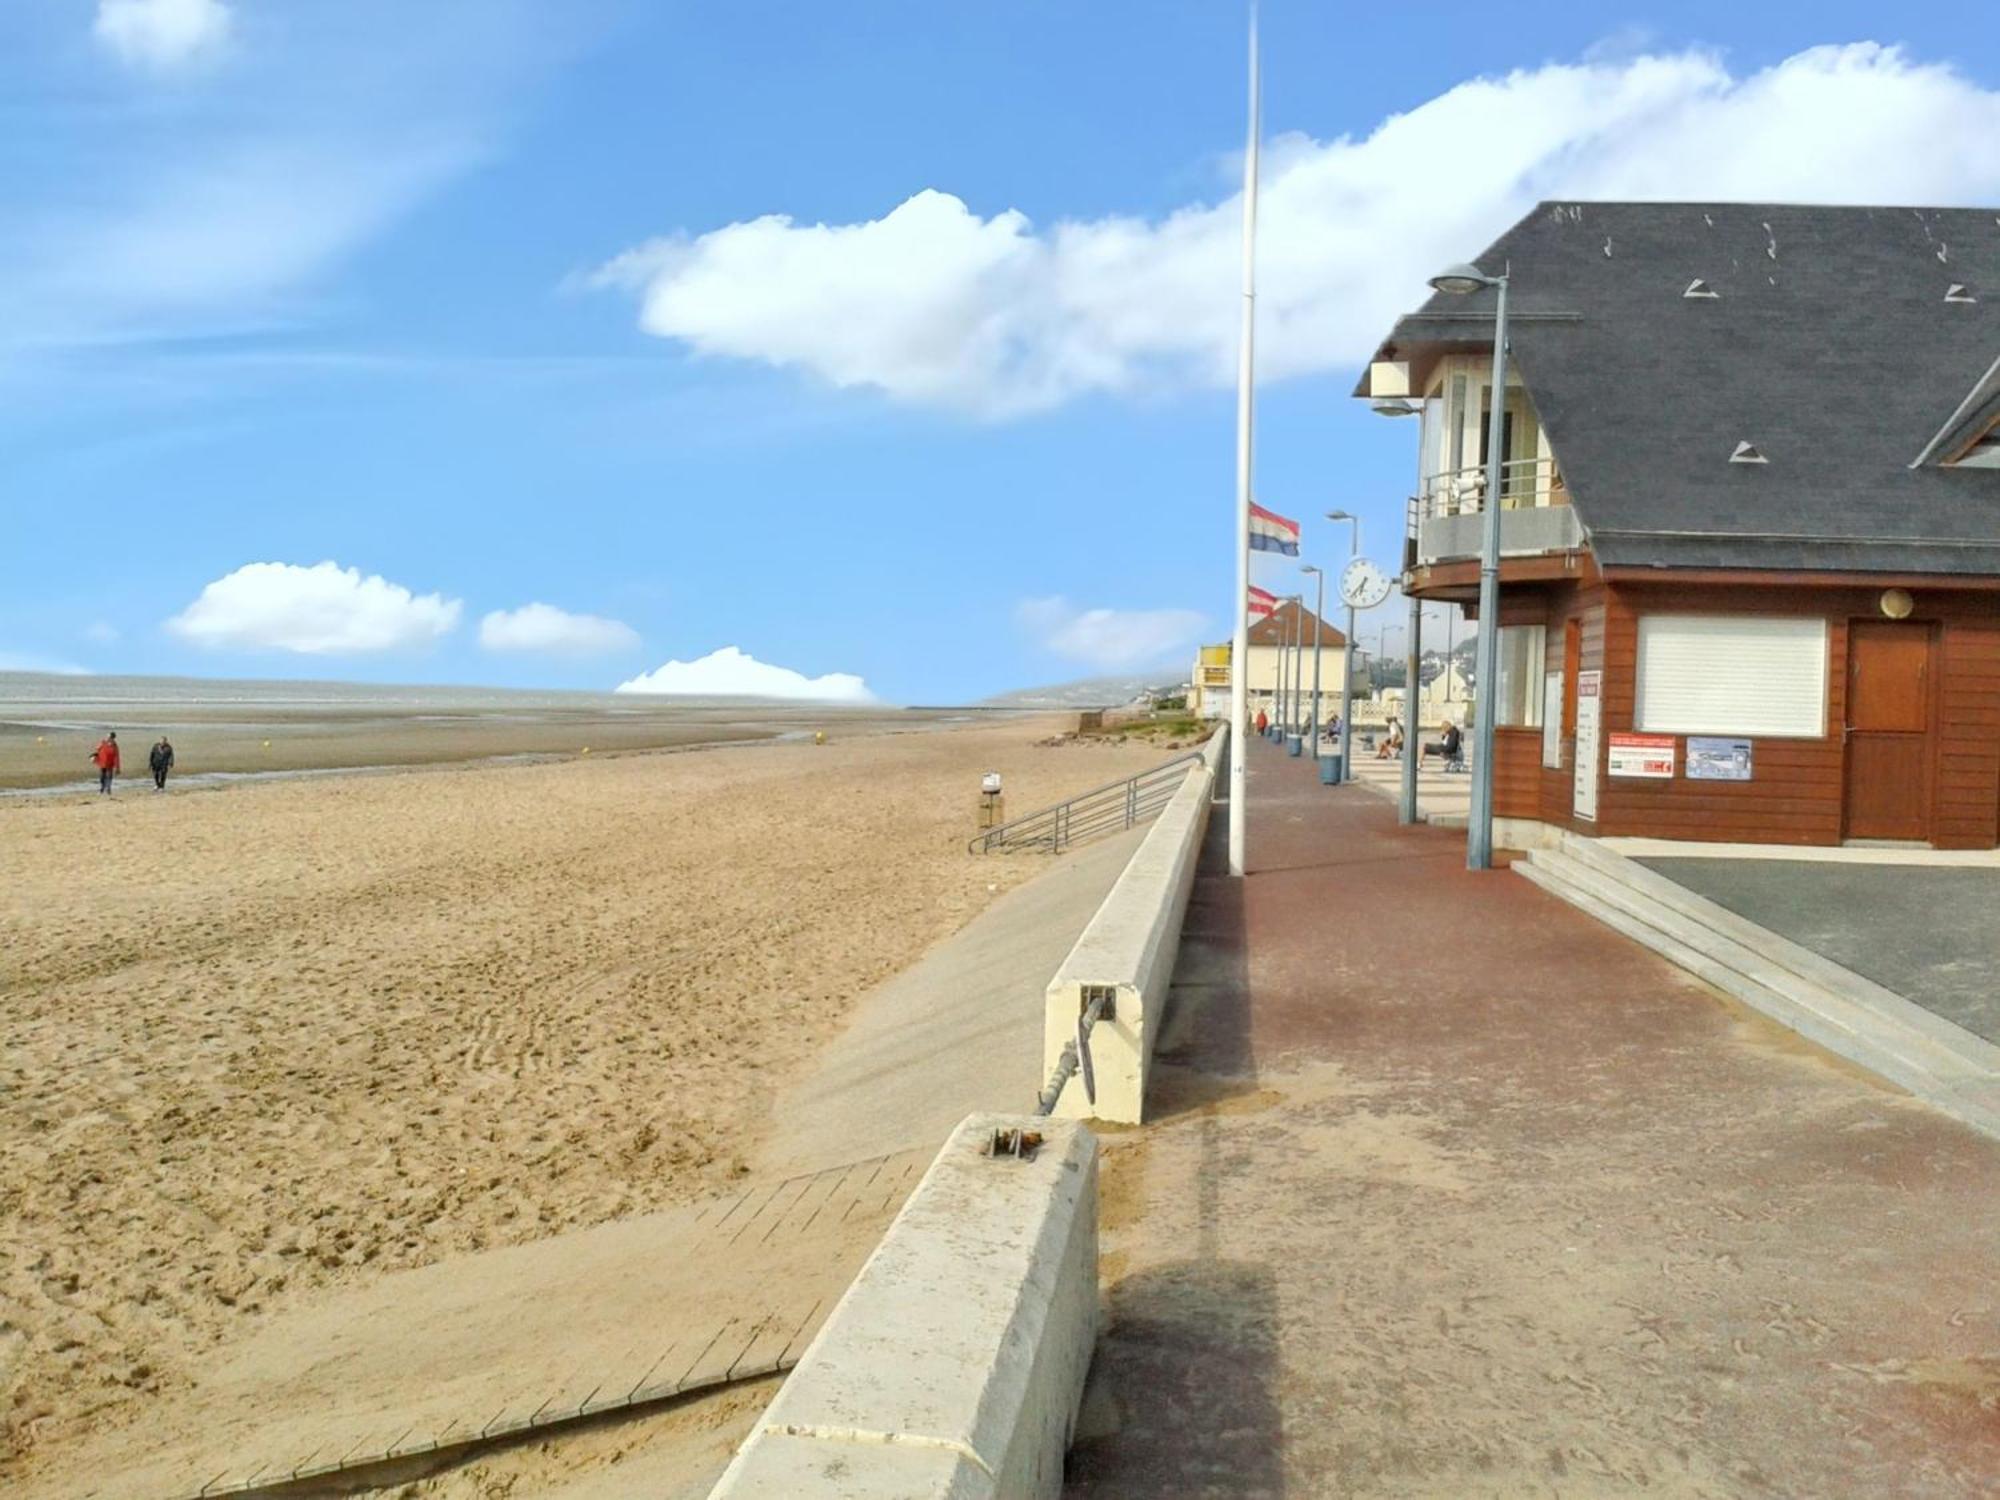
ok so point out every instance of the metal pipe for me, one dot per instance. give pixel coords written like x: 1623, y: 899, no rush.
x: 1319, y: 625
x: 1486, y: 685
x: 1298, y: 659
x: 1239, y: 718
x: 1406, y: 809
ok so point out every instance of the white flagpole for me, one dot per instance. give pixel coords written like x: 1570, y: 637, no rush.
x: 1239, y: 652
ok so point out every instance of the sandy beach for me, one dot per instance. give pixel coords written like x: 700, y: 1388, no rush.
x: 292, y: 1033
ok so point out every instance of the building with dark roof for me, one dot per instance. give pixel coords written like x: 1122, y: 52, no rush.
x: 1750, y: 516
x: 1281, y: 658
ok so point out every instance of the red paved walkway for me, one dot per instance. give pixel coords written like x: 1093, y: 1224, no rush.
x: 1456, y: 1193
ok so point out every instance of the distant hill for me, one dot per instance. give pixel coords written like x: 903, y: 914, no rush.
x: 1085, y: 692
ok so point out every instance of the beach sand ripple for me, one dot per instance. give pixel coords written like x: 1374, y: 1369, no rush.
x: 269, y: 1039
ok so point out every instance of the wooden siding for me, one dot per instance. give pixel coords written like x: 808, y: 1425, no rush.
x: 1796, y: 796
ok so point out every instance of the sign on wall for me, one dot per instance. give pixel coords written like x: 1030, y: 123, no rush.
x: 1718, y: 760
x: 1647, y: 756
x: 1552, y: 721
x: 1589, y: 703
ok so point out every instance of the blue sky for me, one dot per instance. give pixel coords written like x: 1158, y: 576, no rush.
x: 485, y: 303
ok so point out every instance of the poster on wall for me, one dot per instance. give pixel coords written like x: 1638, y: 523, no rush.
x: 1718, y: 760
x: 1583, y: 802
x: 1646, y: 756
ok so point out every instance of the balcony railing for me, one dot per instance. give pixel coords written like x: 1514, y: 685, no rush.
x: 1535, y: 513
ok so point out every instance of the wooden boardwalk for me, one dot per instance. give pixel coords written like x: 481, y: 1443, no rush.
x: 508, y: 1341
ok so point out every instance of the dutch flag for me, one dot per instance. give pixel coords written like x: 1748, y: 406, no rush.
x: 1261, y: 604
x: 1271, y: 532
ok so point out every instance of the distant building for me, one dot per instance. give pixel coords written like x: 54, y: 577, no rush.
x: 1271, y: 641
x: 1750, y: 517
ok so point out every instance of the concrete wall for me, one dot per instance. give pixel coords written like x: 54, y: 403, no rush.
x: 954, y: 1365
x: 1128, y: 950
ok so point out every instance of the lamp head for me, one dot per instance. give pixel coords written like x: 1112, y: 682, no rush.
x: 1395, y: 406
x: 1338, y: 515
x: 1461, y: 280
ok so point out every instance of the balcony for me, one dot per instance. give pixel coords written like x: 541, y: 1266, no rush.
x: 1446, y: 519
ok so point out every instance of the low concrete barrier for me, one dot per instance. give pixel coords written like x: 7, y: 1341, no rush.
x: 1126, y: 957
x: 954, y: 1365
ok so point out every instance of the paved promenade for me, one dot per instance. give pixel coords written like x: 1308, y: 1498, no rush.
x: 1455, y: 1193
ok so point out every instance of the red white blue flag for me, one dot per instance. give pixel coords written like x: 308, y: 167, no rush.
x: 1271, y: 532
x: 1261, y: 604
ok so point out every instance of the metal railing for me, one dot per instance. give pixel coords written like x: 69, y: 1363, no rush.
x: 1111, y: 808
x: 1524, y: 483
x: 1446, y: 518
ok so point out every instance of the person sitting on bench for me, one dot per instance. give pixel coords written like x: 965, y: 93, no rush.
x: 1451, y: 747
x: 1392, y: 744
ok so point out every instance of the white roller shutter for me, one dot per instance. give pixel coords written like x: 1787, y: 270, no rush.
x: 1731, y: 674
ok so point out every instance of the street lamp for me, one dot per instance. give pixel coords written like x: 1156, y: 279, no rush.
x: 1347, y: 654
x: 1459, y: 281
x: 1319, y: 617
x: 1406, y: 809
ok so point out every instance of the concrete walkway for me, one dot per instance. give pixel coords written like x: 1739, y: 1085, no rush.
x: 1455, y: 1193
x: 1928, y: 934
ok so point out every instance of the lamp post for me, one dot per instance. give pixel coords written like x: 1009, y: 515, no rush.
x: 1298, y: 655
x: 1406, y: 807
x: 1347, y: 655
x: 1319, y: 618
x: 1460, y: 281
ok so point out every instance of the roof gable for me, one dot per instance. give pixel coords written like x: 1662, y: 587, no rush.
x: 1291, y: 622
x: 1828, y: 346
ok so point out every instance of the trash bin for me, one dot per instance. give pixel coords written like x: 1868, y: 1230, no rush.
x: 1329, y: 769
x: 1295, y: 744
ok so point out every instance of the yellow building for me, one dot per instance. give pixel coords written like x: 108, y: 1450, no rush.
x: 1271, y: 640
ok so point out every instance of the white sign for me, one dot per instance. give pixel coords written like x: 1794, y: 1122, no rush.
x: 1647, y: 757
x: 1589, y: 706
x: 1552, y: 721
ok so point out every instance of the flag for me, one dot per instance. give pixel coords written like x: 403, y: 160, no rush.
x: 1261, y: 604
x: 1271, y: 532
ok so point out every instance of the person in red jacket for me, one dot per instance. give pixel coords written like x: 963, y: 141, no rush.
x: 105, y: 758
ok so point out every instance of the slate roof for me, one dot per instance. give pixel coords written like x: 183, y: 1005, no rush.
x: 1279, y: 628
x: 1829, y: 345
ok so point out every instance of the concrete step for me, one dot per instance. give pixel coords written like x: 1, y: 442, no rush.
x: 1866, y: 1024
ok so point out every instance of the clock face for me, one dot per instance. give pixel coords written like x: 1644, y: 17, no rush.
x: 1363, y: 585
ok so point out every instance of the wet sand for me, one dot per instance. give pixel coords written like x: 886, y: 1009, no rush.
x: 276, y: 1038
x: 46, y: 740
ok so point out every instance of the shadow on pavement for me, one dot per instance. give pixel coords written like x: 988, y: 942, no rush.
x: 1188, y: 1357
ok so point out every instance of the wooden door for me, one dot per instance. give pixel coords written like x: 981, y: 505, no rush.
x: 1889, y: 717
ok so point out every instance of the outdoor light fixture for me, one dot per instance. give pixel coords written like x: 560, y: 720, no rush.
x: 1395, y: 406
x: 1462, y: 280
x: 1458, y: 281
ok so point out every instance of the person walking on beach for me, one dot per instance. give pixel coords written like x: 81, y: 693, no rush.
x: 105, y: 758
x: 162, y: 761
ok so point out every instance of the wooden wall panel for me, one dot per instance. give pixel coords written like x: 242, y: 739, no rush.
x: 1797, y: 796
x: 1966, y: 810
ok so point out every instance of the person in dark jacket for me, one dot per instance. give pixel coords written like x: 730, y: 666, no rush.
x: 162, y: 761
x: 105, y: 758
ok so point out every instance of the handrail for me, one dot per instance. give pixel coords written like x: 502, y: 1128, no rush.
x: 1532, y: 482
x: 1110, y: 808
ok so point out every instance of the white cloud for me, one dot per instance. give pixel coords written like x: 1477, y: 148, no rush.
x: 934, y: 304
x: 163, y: 34
x: 323, y: 610
x: 543, y: 627
x: 100, y: 633
x: 730, y: 673
x: 1110, y: 639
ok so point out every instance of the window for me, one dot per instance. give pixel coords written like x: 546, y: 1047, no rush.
x: 1518, y: 705
x: 1731, y: 674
